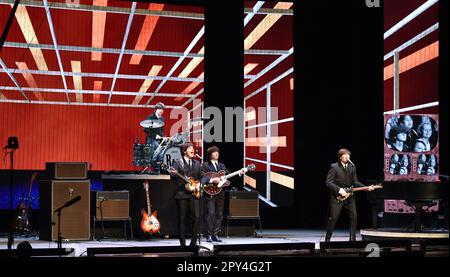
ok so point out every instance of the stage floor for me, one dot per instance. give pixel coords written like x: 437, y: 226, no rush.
x: 266, y: 241
x: 266, y: 237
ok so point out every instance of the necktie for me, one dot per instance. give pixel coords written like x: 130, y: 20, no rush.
x: 215, y: 166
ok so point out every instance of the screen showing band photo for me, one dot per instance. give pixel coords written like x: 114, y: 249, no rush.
x: 411, y: 147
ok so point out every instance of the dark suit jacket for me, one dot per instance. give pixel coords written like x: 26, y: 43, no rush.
x: 209, y: 167
x: 152, y: 132
x: 338, y: 178
x: 183, y: 168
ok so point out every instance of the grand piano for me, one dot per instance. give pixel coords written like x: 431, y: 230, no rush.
x: 416, y: 194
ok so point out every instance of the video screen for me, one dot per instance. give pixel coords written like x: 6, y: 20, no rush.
x: 411, y: 148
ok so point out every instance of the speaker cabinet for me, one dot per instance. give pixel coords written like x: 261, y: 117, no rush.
x: 112, y: 204
x: 243, y: 203
x: 75, y: 222
x: 66, y: 171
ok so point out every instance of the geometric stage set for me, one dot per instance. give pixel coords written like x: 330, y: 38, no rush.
x: 328, y: 122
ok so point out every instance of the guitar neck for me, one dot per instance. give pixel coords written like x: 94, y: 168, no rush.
x: 360, y: 188
x: 182, y: 177
x: 148, y: 203
x: 31, y: 185
x: 232, y: 174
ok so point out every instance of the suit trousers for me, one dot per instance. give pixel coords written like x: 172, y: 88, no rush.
x: 335, y: 211
x: 214, y: 213
x: 188, y: 209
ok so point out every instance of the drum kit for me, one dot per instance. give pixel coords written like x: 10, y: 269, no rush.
x: 149, y: 155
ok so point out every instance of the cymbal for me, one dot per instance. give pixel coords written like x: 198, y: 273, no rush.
x: 152, y: 123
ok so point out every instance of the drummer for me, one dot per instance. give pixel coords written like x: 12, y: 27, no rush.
x: 156, y: 134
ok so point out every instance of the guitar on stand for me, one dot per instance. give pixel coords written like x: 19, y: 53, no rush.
x: 22, y: 220
x: 149, y: 223
x: 214, y: 189
x: 191, y: 185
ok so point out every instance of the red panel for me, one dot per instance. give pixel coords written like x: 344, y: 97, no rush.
x: 258, y: 104
x: 15, y: 95
x: 283, y: 155
x: 103, y: 136
x: 170, y: 34
x: 396, y: 10
x: 5, y: 81
x: 12, y: 55
x: 15, y: 33
x: 270, y: 75
x: 278, y: 37
x: 413, y: 28
x: 420, y: 85
x: 283, y: 98
x: 180, y: 86
x: 107, y: 65
x: 147, y: 62
x: 389, y: 95
x: 256, y: 152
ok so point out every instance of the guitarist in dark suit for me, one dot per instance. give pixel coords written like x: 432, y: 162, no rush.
x: 342, y: 176
x: 187, y: 204
x: 214, y: 203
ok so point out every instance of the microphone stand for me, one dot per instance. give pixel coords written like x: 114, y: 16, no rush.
x: 58, y: 211
x: 11, y: 184
x: 200, y: 228
x: 59, y: 240
x: 101, y: 216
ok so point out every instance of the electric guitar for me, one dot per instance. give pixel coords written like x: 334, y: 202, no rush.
x: 214, y: 189
x: 22, y: 221
x: 191, y: 184
x: 350, y: 191
x: 149, y: 223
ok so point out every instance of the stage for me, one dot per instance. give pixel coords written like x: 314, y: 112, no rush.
x: 288, y: 242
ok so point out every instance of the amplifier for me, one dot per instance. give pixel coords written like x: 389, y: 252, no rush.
x: 66, y: 170
x: 75, y: 221
x: 112, y: 204
x: 243, y: 203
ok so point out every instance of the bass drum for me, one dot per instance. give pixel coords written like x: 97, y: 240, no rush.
x: 171, y: 154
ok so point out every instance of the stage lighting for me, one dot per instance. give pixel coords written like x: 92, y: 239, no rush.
x: 13, y: 143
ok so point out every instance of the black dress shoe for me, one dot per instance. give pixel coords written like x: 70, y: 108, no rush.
x: 209, y: 239
x: 216, y: 239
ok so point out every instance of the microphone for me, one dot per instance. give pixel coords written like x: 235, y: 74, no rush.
x: 351, y: 162
x: 102, y: 199
x: 69, y: 203
x: 198, y: 156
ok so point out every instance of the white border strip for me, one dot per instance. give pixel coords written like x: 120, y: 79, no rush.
x: 275, y: 164
x: 270, y: 123
x: 412, y: 41
x: 409, y: 17
x: 83, y: 104
x: 412, y: 108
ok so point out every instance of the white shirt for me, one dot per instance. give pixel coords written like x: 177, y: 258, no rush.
x: 215, y: 164
x: 188, y: 161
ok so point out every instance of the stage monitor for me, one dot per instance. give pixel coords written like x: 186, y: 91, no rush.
x: 411, y: 147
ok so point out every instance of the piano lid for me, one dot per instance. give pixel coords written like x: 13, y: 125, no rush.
x: 409, y: 190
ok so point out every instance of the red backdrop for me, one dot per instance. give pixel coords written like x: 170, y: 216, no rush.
x: 103, y: 136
